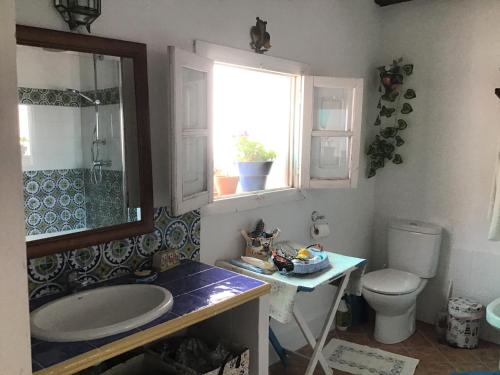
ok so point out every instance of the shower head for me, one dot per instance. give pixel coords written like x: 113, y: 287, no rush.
x: 75, y: 91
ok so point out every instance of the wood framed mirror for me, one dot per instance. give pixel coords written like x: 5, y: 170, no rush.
x: 85, y: 141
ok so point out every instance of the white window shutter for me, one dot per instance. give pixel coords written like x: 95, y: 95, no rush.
x: 332, y: 113
x: 190, y: 110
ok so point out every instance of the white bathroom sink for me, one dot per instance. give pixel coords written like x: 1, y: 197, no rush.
x: 493, y: 313
x: 99, y: 312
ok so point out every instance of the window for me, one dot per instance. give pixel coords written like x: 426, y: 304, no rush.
x: 233, y: 112
x: 252, y: 130
x: 332, y: 126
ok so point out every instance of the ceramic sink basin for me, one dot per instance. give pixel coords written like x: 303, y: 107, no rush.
x: 99, y: 312
x: 493, y: 313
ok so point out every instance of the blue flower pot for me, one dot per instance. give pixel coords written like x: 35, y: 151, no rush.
x: 253, y: 174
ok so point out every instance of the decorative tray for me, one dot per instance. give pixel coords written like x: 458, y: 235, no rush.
x: 317, y: 263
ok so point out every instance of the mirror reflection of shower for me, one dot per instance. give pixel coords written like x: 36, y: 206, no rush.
x: 97, y: 141
x: 78, y: 135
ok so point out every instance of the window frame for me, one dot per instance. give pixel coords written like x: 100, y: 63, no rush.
x: 353, y: 134
x: 241, y: 58
x: 300, y: 136
x: 178, y: 60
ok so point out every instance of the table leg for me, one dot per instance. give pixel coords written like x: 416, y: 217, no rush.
x: 310, y: 337
x: 317, y: 353
x: 277, y: 346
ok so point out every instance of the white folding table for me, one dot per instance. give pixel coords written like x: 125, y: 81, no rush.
x: 340, y: 272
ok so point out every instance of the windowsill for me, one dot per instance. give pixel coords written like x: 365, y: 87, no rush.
x: 252, y: 201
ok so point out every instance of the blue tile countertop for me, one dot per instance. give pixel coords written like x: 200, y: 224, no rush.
x: 194, y: 286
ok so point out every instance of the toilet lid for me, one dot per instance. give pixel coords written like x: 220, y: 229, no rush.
x: 390, y: 281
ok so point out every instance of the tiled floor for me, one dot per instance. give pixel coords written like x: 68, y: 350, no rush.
x: 436, y: 358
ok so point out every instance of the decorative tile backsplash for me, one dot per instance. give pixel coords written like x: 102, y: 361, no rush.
x: 104, y: 201
x: 47, y: 275
x: 54, y: 200
x: 65, y: 199
x: 106, y: 96
x: 65, y: 98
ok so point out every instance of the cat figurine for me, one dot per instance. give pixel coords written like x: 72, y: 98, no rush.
x: 261, y: 40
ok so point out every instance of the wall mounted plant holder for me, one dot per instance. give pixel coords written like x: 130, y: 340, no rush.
x: 393, y: 110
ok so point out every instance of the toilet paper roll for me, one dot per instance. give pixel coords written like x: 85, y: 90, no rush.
x: 320, y: 230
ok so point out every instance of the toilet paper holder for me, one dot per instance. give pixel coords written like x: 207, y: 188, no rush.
x: 319, y: 227
x: 317, y: 217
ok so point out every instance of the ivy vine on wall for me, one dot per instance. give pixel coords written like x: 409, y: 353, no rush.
x: 394, y: 108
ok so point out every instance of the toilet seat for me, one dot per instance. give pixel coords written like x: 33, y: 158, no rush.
x: 391, y: 282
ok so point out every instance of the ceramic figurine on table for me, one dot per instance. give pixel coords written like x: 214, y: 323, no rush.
x: 259, y: 243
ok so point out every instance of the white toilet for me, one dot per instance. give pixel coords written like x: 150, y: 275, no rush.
x: 413, y: 254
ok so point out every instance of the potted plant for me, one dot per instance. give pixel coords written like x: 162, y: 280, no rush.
x: 225, y: 184
x: 254, y: 164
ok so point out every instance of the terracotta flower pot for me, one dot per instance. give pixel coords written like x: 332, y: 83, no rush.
x: 226, y: 185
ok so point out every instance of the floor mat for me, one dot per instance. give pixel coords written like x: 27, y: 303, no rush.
x: 364, y: 360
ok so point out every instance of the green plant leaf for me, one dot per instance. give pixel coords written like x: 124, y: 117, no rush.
x: 410, y: 94
x: 399, y: 141
x: 249, y: 150
x: 389, y: 132
x: 371, y: 172
x: 407, y: 108
x: 389, y: 150
x: 377, y: 163
x: 387, y: 111
x: 402, y: 124
x: 390, y: 95
x: 371, y: 150
x: 408, y: 69
x: 377, y: 121
x: 397, y: 159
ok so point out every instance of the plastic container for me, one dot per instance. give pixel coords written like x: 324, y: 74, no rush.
x: 464, y: 318
x: 319, y: 262
x: 343, y: 317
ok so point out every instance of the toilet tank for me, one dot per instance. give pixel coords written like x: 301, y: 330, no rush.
x: 414, y: 246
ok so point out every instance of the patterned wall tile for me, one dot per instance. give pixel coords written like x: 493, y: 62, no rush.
x: 106, y: 96
x: 104, y: 201
x: 54, y: 200
x: 65, y: 199
x: 28, y: 95
x: 47, y: 275
x: 64, y: 98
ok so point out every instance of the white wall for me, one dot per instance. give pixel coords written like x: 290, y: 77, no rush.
x: 61, y: 137
x: 108, y: 72
x: 55, y: 137
x: 48, y: 125
x: 452, y: 141
x: 43, y: 69
x: 336, y: 37
x: 14, y: 324
x: 110, y: 125
x: 60, y: 70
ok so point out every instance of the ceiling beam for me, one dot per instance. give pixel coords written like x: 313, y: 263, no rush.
x: 384, y: 3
